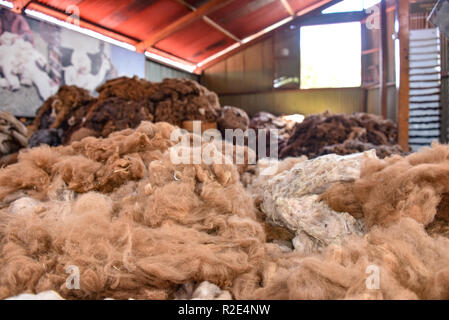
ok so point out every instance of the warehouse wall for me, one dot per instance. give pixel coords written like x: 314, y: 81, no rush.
x: 248, y: 70
x: 157, y: 72
x: 371, y: 66
x: 245, y: 80
x: 345, y: 100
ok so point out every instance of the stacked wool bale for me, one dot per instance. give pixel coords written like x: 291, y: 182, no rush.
x: 139, y: 226
x: 324, y: 133
x: 122, y: 103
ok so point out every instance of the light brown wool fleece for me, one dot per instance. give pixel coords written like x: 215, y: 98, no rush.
x: 138, y: 226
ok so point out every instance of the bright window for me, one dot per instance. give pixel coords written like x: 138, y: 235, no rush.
x: 331, y: 56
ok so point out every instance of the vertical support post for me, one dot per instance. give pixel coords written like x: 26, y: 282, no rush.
x: 403, y: 19
x: 383, y: 59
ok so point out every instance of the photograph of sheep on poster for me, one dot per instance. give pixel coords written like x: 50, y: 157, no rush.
x: 36, y: 58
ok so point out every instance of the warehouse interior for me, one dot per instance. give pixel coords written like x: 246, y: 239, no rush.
x: 224, y: 149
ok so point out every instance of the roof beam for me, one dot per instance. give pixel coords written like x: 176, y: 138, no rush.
x: 299, y: 16
x: 210, y: 22
x: 181, y: 23
x: 20, y: 5
x: 288, y: 7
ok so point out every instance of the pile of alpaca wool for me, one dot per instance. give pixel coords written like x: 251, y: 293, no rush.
x: 122, y: 103
x: 178, y: 100
x: 415, y: 186
x: 403, y: 252
x: 324, y: 133
x: 58, y: 114
x: 139, y: 226
x: 233, y: 118
x: 134, y: 223
x: 188, y: 291
x: 110, y: 115
x: 172, y: 100
x: 267, y: 121
x: 13, y: 137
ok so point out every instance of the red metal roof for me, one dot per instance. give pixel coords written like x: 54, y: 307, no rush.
x: 190, y: 30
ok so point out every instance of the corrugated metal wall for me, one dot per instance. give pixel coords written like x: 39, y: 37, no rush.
x: 157, y: 72
x: 444, y: 89
x: 245, y: 80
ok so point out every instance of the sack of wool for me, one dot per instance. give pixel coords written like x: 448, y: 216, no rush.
x: 291, y: 199
x: 324, y: 133
x: 135, y: 224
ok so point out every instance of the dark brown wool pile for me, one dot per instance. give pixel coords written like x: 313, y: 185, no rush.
x: 122, y: 103
x: 63, y: 110
x: 326, y: 133
x: 233, y: 118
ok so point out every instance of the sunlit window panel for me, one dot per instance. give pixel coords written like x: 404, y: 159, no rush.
x: 331, y: 56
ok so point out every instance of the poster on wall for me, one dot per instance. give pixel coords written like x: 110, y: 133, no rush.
x: 36, y: 58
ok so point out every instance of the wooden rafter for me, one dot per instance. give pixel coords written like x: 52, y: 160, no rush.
x: 210, y: 22
x: 300, y: 16
x: 288, y: 7
x: 181, y: 23
x: 20, y: 5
